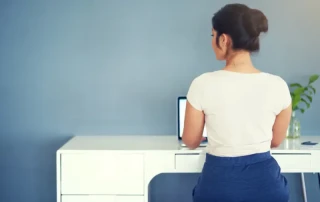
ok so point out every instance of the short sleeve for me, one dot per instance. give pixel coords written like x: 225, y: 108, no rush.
x: 195, y: 93
x: 284, y: 95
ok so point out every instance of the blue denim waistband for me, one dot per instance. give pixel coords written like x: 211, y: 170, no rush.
x: 237, y: 161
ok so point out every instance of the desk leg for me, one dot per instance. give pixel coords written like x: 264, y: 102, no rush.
x: 304, y: 190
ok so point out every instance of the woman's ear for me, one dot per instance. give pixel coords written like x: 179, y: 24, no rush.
x: 225, y: 40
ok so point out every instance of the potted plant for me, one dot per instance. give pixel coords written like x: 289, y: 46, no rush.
x: 302, y: 97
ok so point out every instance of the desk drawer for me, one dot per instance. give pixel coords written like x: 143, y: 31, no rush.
x: 189, y: 162
x: 102, y: 173
x: 293, y: 161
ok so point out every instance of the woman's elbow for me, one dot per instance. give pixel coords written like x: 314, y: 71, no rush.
x: 191, y: 144
x: 275, y: 143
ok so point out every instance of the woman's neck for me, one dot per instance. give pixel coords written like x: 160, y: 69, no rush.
x: 240, y: 62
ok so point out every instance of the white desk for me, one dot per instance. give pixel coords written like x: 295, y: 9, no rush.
x: 119, y: 168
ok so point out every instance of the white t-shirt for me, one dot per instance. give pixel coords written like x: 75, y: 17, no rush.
x: 240, y: 109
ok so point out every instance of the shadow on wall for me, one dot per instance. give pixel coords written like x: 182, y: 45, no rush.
x: 28, y: 166
x: 175, y: 187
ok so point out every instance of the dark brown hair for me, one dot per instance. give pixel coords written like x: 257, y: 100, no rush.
x: 243, y: 24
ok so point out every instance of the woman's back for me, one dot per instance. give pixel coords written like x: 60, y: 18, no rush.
x: 240, y: 110
x: 245, y: 112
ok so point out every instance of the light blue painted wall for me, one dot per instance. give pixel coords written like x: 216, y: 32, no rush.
x: 116, y: 67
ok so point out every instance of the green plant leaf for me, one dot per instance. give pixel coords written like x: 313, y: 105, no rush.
x: 295, y: 101
x: 309, y: 98
x: 307, y: 103
x: 298, y: 91
x: 295, y: 85
x: 313, y: 78
x: 307, y: 91
x: 302, y: 111
x: 313, y: 89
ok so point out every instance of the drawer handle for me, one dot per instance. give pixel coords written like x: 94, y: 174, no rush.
x: 188, y: 154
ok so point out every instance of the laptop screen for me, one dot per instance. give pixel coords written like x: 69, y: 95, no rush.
x: 182, y: 103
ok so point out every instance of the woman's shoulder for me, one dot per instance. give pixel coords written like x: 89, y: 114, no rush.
x: 208, y: 75
x: 274, y: 78
x: 221, y: 74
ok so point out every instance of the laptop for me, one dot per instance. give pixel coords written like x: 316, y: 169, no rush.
x: 182, y: 103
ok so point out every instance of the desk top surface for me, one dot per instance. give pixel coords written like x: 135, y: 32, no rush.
x: 163, y: 143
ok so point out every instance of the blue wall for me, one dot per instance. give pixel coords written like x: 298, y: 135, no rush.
x: 116, y: 67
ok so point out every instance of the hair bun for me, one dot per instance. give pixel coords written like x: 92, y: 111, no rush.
x: 255, y: 22
x: 243, y: 24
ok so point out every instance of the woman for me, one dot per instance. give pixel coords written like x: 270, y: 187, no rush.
x: 246, y: 112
